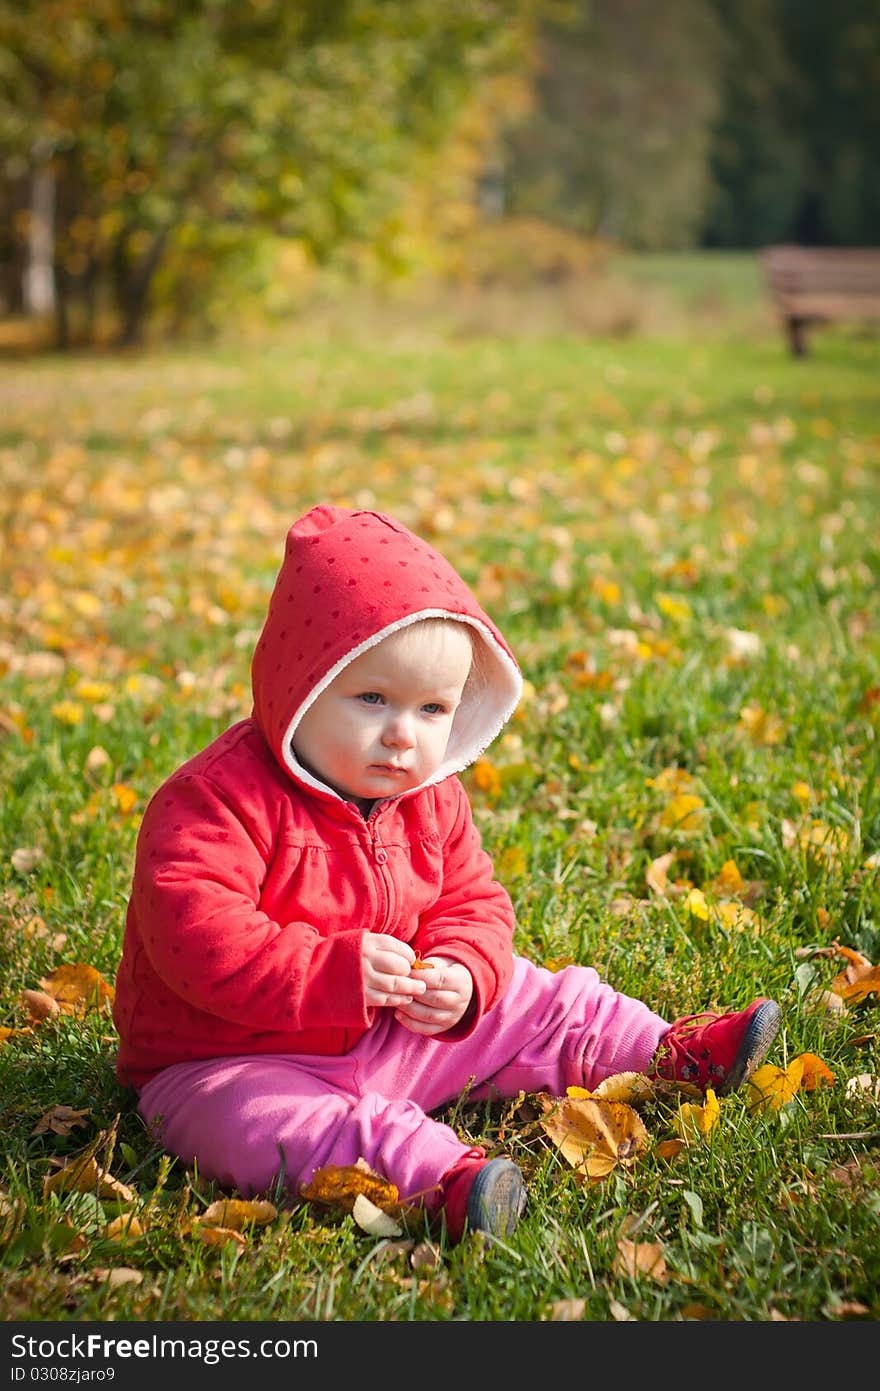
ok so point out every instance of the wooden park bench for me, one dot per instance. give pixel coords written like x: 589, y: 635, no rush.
x: 821, y: 284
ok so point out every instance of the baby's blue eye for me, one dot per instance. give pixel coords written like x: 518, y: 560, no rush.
x: 371, y: 697
x: 433, y: 707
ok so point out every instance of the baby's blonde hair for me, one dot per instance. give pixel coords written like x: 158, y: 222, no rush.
x: 420, y: 635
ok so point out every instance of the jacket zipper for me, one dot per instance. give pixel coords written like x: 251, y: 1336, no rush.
x: 380, y: 857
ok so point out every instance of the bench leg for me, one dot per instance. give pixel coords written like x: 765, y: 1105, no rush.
x: 797, y: 336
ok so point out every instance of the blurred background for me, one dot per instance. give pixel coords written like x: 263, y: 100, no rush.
x: 171, y: 169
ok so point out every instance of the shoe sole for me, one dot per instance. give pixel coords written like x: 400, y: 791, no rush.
x: 762, y: 1030
x: 496, y: 1199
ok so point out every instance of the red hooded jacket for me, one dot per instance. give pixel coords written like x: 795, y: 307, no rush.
x: 254, y: 882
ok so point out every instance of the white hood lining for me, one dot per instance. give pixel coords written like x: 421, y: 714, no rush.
x: 477, y: 721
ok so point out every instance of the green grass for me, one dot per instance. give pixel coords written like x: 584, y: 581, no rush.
x: 625, y: 507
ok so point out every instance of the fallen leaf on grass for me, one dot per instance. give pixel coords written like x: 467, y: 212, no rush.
x: 631, y: 1087
x: 217, y: 1236
x: 669, y: 1149
x: 771, y: 1088
x: 657, y: 872
x: 85, y: 1176
x: 60, y: 1120
x: 759, y: 725
x: 827, y: 1002
x: 866, y: 983
x: 236, y: 1213
x: 6, y: 1033
x: 694, y: 1122
x: 864, y: 1087
x: 78, y: 987
x: 815, y: 1073
x: 126, y: 1227
x: 26, y: 858
x: 641, y: 1258
x: 39, y: 1005
x: 117, y: 1275
x: 340, y: 1185
x: 697, y: 1311
x: 568, y: 1310
x: 594, y: 1136
x: 372, y: 1219
x: 686, y: 812
x: 619, y: 1312
x: 845, y: 1309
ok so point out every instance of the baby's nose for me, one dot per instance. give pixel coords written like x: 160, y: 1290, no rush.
x: 399, y: 732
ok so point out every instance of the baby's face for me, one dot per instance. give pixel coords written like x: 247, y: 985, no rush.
x: 382, y: 725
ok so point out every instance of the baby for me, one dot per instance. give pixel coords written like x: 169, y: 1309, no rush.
x: 317, y: 953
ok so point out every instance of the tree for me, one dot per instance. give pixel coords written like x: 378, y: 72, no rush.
x: 796, y: 150
x: 178, y: 126
x: 617, y: 145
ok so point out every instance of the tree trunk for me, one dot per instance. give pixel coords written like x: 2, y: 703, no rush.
x: 39, y: 279
x: 132, y: 285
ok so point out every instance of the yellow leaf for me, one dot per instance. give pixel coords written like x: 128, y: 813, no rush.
x: 868, y: 983
x: 759, y: 726
x: 125, y: 1227
x: 84, y: 1175
x: 694, y: 902
x: 771, y: 1088
x: 6, y: 1033
x: 594, y: 1136
x: 606, y: 590
x: 68, y: 711
x: 641, y: 1258
x: 728, y: 882
x: 341, y: 1184
x: 92, y: 691
x: 678, y: 609
x: 735, y: 915
x: 512, y: 863
x: 686, y: 812
x: 217, y: 1236
x: 672, y: 780
x: 631, y: 1087
x: 486, y: 777
x: 238, y: 1213
x: 668, y: 1149
x: 815, y: 1073
x: 126, y: 797
x: 695, y: 1122
x: 78, y: 984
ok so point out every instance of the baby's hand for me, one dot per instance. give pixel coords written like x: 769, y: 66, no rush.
x: 387, y: 979
x: 450, y: 988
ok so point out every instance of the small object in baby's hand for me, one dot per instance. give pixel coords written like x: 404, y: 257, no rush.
x: 420, y: 965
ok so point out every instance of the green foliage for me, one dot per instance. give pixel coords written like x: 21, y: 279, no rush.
x: 617, y: 145
x: 704, y: 123
x: 182, y: 127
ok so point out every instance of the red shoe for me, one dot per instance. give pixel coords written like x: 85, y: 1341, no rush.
x: 482, y: 1195
x: 720, y: 1051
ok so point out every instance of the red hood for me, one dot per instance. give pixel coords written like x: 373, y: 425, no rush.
x: 348, y: 579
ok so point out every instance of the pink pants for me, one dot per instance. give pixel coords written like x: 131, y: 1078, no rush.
x: 249, y: 1121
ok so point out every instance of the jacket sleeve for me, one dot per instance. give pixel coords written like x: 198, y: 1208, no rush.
x: 199, y: 869
x: 472, y: 920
